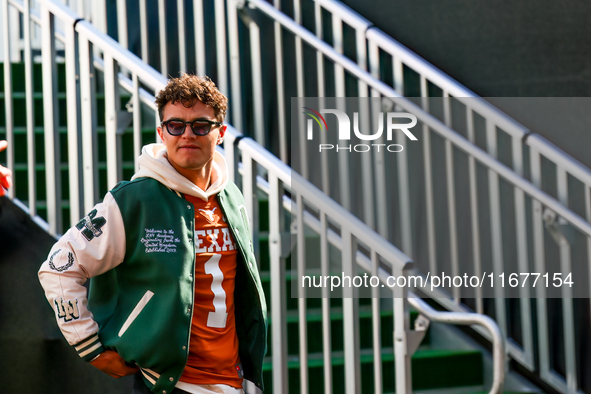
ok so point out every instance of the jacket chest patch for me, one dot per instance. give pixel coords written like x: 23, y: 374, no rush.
x: 160, y: 241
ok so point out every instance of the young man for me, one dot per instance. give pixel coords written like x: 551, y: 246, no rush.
x: 175, y: 293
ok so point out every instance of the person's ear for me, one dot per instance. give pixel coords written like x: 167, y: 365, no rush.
x: 160, y: 133
x: 221, y: 134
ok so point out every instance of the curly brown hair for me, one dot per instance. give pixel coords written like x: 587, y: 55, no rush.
x: 188, y: 89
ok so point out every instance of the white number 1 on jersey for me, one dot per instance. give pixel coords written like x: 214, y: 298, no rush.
x: 218, y: 318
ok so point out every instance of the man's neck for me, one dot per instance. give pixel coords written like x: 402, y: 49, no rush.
x: 202, y: 177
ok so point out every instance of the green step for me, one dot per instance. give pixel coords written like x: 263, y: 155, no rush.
x: 431, y: 369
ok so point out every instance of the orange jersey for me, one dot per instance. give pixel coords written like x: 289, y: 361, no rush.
x: 213, y: 348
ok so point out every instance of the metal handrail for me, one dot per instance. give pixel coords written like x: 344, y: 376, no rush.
x: 458, y: 318
x: 369, y: 237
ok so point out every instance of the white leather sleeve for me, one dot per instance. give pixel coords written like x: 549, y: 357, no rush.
x: 95, y: 245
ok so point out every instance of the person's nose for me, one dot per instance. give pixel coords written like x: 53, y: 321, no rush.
x: 188, y: 133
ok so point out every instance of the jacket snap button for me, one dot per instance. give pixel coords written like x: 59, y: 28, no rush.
x: 188, y: 207
x: 184, y: 348
x: 171, y: 378
x: 163, y: 391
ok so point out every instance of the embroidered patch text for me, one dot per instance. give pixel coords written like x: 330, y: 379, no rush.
x: 90, y: 226
x: 160, y: 241
x: 67, y: 310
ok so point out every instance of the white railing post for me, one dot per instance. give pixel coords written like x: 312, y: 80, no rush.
x: 326, y: 321
x: 234, y: 53
x: 163, y: 40
x: 8, y: 100
x: 301, y: 293
x: 350, y: 316
x: 112, y: 104
x: 73, y: 125
x: 182, y: 32
x: 122, y: 23
x: 221, y: 47
x: 30, y: 108
x: 137, y: 121
x: 278, y: 297
x: 50, y: 115
x: 281, y: 116
x: 402, y: 358
x: 89, y: 121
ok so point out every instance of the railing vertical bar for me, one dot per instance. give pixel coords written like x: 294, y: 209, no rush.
x: 340, y: 91
x: 401, y: 318
x: 73, y: 122
x: 50, y: 117
x: 451, y: 198
x: 111, y: 111
x: 281, y: 118
x: 321, y: 86
x: 523, y: 258
x: 230, y: 156
x: 30, y: 110
x: 474, y: 211
x: 495, y: 227
x: 198, y: 24
x: 144, y: 31
x: 162, y: 34
x: 428, y: 182
x: 15, y: 50
x: 157, y: 123
x: 88, y: 116
x: 80, y: 8
x: 122, y: 23
x: 369, y: 206
x: 249, y: 179
x: 235, y: 67
x: 376, y: 327
x: 182, y: 31
x: 137, y: 121
x: 350, y: 317
x: 404, y: 195
x: 319, y: 55
x: 99, y: 15
x: 302, y: 320
x: 278, y: 297
x: 326, y: 321
x: 8, y: 100
x: 299, y: 63
x: 398, y: 70
x: 257, y: 82
x: 221, y: 50
x: 540, y: 266
x: 568, y: 317
x: 379, y: 156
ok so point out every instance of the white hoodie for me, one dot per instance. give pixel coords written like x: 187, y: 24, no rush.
x: 154, y: 164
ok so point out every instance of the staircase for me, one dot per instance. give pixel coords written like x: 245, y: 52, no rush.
x: 433, y: 368
x: 305, y: 359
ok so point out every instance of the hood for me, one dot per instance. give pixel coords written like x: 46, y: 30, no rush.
x: 154, y: 164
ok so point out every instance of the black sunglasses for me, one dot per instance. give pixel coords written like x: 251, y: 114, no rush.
x: 198, y: 126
